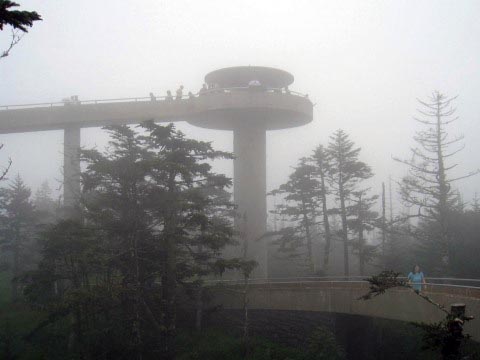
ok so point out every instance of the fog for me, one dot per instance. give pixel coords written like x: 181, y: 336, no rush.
x: 154, y: 260
x: 362, y: 63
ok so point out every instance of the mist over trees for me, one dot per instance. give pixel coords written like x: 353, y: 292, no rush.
x: 436, y: 231
x: 336, y: 173
x: 18, y: 226
x: 429, y: 186
x: 155, y: 221
x: 301, y: 208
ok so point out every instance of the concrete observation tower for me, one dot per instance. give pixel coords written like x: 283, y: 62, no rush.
x: 247, y: 100
x: 268, y: 106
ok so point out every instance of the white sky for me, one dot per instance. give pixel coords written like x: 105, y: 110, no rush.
x: 362, y: 62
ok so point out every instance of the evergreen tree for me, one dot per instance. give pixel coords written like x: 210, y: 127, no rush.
x: 301, y: 208
x: 183, y: 208
x: 17, y: 229
x: 428, y: 186
x: 476, y: 204
x: 363, y: 219
x: 155, y: 219
x: 399, y: 250
x: 15, y: 18
x: 320, y: 162
x: 46, y: 208
x: 345, y: 172
x: 18, y: 20
x: 116, y: 193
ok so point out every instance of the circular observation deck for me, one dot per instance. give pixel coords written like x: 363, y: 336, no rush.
x: 255, y: 96
x: 268, y: 109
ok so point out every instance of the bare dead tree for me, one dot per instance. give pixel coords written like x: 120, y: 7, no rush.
x: 428, y: 185
x: 5, y: 169
x: 16, y: 36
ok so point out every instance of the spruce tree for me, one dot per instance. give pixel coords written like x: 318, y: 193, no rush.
x: 301, y: 209
x: 46, y: 208
x: 320, y: 161
x: 18, y: 229
x: 345, y: 173
x: 363, y: 219
x: 429, y: 186
x: 189, y: 215
x: 18, y: 20
x: 155, y: 218
x: 116, y: 192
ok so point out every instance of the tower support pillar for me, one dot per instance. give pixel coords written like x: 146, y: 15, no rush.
x: 249, y: 147
x: 71, y: 170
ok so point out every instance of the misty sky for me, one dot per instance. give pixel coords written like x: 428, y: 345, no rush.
x: 362, y: 62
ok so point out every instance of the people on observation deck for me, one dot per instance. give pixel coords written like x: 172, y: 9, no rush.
x: 152, y: 97
x: 203, y: 90
x: 179, y: 93
x: 169, y: 95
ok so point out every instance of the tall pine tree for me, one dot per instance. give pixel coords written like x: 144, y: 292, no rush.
x: 18, y: 230
x: 320, y: 161
x: 428, y: 187
x: 301, y: 208
x: 345, y: 173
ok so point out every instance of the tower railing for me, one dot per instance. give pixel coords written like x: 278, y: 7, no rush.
x: 75, y: 102
x: 432, y: 282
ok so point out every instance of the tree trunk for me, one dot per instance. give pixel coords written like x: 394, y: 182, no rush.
x: 326, y: 225
x: 443, y: 191
x: 343, y: 214
x: 384, y: 229
x: 306, y: 222
x: 361, y: 239
x: 137, y: 303
x: 16, y: 264
x: 170, y: 284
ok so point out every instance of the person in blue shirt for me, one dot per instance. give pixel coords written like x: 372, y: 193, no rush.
x: 416, y: 279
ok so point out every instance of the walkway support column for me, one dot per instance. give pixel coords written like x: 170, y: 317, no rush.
x: 71, y: 171
x: 249, y: 147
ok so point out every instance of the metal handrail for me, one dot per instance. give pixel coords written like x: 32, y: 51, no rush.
x: 333, y: 279
x: 350, y: 277
x: 147, y: 98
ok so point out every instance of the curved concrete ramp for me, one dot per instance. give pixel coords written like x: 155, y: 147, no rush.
x: 341, y: 297
x: 214, y: 110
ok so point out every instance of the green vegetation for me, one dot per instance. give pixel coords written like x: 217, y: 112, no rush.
x: 153, y: 225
